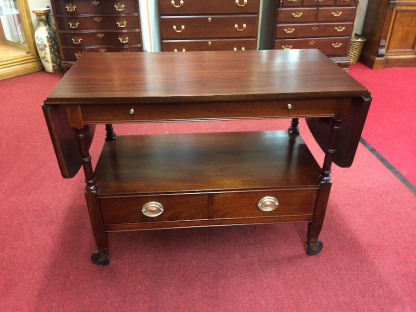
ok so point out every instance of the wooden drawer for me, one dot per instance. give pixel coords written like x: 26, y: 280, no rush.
x: 209, y: 45
x: 289, y: 3
x: 329, y: 46
x: 72, y: 54
x: 128, y: 209
x: 296, y: 15
x: 168, y: 7
x: 313, y: 30
x: 344, y: 2
x: 245, y: 204
x: 336, y: 14
x: 98, y: 22
x: 99, y: 38
x: 314, y: 3
x: 75, y: 7
x: 225, y: 26
x: 217, y: 110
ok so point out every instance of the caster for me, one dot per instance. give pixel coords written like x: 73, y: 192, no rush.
x: 316, y: 248
x: 95, y: 258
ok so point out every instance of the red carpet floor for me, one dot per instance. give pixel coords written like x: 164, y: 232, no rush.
x: 389, y: 127
x: 367, y: 264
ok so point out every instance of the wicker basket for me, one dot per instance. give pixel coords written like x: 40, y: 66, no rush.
x: 356, y: 46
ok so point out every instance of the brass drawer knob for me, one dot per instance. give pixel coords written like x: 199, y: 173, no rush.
x: 177, y: 6
x: 240, y: 29
x: 337, y: 45
x: 209, y: 43
x: 268, y: 203
x: 297, y: 14
x: 152, y: 209
x: 182, y: 28
x: 336, y: 13
x: 73, y: 24
x: 76, y: 40
x: 240, y: 5
x: 119, y: 6
x: 70, y: 7
x: 132, y: 111
x: 289, y: 106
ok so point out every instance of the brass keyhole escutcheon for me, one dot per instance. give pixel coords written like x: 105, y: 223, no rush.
x: 132, y: 111
x: 289, y: 106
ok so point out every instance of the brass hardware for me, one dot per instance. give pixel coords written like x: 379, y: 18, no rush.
x: 78, y: 54
x: 235, y: 49
x: 292, y: 0
x: 340, y: 28
x: 95, y: 2
x: 119, y: 6
x: 70, y: 7
x: 209, y: 19
x: 152, y: 209
x: 76, y: 40
x: 123, y: 39
x: 176, y: 50
x: 122, y: 24
x: 102, y: 49
x: 319, y: 0
x: 209, y: 43
x: 297, y: 14
x: 240, y: 5
x: 98, y: 19
x: 182, y: 28
x: 289, y: 30
x: 287, y: 47
x: 242, y: 49
x: 236, y: 27
x: 132, y: 111
x: 336, y: 13
x: 289, y: 106
x: 337, y: 45
x: 177, y: 6
x: 268, y: 203
x: 100, y: 35
x: 73, y: 24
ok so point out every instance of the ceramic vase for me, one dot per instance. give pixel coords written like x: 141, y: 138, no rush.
x: 47, y: 42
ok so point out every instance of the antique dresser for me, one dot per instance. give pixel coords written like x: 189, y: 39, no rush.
x: 193, y: 25
x: 326, y: 25
x: 104, y: 26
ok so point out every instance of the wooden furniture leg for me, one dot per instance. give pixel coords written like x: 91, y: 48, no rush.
x: 314, y: 246
x: 101, y: 256
x: 110, y: 135
x: 294, y: 129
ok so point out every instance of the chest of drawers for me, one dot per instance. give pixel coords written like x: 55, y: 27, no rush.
x: 326, y: 25
x: 104, y: 26
x: 215, y: 25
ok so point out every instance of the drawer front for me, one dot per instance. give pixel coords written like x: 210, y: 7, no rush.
x: 336, y: 14
x: 344, y: 2
x: 315, y: 3
x: 99, y: 38
x: 209, y: 27
x: 176, y: 7
x: 209, y: 45
x: 245, y: 204
x: 72, y: 54
x: 128, y: 209
x: 296, y: 15
x: 75, y: 7
x: 329, y: 46
x: 289, y: 3
x: 98, y: 22
x: 313, y: 30
x: 217, y: 110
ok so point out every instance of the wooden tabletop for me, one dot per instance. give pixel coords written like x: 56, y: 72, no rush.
x: 111, y: 78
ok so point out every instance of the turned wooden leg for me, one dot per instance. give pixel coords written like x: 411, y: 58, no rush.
x: 110, y: 135
x: 294, y: 129
x: 101, y: 256
x: 314, y: 246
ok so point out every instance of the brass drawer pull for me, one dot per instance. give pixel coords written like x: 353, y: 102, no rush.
x: 340, y: 28
x: 73, y: 24
x: 70, y: 7
x: 98, y: 19
x: 287, y: 47
x: 268, y: 203
x: 319, y: 0
x: 289, y: 30
x: 152, y: 209
x: 182, y: 28
x: 240, y: 5
x: 119, y: 6
x: 122, y: 24
x: 238, y: 29
x: 336, y: 13
x: 297, y: 14
x: 292, y: 0
x: 76, y: 40
x: 100, y: 35
x: 209, y: 19
x: 242, y: 49
x: 94, y: 2
x: 132, y: 111
x: 78, y: 54
x: 123, y: 39
x: 337, y: 45
x: 102, y: 50
x: 176, y: 50
x: 289, y: 106
x: 177, y: 6
x: 209, y: 43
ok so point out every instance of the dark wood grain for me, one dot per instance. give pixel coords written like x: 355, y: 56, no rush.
x: 313, y: 29
x: 208, y: 7
x: 116, y: 78
x: 209, y: 45
x: 332, y: 46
